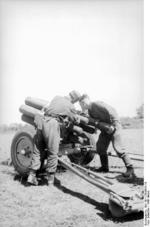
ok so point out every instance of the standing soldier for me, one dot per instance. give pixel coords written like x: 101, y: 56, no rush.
x: 50, y: 128
x: 106, y: 119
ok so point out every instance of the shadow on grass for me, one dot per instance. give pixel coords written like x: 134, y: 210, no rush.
x: 135, y: 180
x: 102, y: 208
x: 128, y: 218
x: 20, y: 179
x: 41, y: 177
x: 6, y: 162
x: 120, y: 178
x: 42, y: 181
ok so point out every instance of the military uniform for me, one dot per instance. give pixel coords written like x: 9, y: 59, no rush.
x: 104, y: 113
x: 50, y: 128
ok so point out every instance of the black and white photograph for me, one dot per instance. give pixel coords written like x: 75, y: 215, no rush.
x: 72, y: 116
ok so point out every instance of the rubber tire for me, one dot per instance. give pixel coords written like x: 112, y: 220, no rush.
x: 19, y: 167
x: 84, y: 158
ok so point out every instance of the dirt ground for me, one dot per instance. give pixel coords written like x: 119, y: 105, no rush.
x: 72, y: 202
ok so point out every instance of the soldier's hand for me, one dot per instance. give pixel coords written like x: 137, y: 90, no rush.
x: 77, y: 120
x: 92, y: 122
x: 110, y: 130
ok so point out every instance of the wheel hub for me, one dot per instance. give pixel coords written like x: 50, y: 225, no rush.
x: 24, y: 151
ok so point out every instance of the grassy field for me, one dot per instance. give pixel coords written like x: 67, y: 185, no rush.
x: 72, y: 201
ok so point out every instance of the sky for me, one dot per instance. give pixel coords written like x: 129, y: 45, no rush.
x: 52, y: 47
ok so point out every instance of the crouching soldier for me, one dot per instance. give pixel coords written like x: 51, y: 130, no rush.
x: 50, y: 128
x: 106, y: 119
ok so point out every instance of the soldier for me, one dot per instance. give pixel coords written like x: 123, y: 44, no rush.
x: 50, y: 129
x: 106, y: 119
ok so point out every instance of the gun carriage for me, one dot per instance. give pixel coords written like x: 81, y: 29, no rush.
x: 79, y: 146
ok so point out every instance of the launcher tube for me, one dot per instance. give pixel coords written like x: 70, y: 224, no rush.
x: 36, y: 103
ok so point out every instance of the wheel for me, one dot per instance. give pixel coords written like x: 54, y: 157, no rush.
x: 83, y: 158
x: 21, y: 151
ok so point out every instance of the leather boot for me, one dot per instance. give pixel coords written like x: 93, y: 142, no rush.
x: 130, y: 170
x: 32, y: 180
x: 104, y: 164
x: 50, y: 178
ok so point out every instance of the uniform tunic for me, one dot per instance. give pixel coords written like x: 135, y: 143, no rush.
x: 104, y: 113
x: 61, y: 106
x: 48, y: 132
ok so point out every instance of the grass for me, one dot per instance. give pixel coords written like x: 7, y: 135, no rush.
x: 72, y: 202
